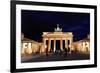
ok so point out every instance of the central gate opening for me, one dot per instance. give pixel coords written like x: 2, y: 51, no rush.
x: 52, y: 45
x: 57, y: 44
x: 63, y: 44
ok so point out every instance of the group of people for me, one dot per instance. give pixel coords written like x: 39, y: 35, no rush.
x: 59, y: 51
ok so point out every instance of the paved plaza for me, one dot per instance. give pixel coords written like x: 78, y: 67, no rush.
x: 54, y: 57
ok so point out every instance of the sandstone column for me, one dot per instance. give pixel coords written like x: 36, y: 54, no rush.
x: 61, y: 46
x: 44, y: 41
x: 54, y: 45
x: 49, y: 45
x: 66, y: 44
x: 71, y: 44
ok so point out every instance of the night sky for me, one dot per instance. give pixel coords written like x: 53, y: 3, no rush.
x: 33, y: 23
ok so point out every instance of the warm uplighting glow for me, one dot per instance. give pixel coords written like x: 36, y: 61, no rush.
x: 65, y: 43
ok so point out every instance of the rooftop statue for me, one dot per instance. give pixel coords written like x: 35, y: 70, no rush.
x: 58, y: 29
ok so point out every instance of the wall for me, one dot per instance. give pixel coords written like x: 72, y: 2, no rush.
x: 5, y: 36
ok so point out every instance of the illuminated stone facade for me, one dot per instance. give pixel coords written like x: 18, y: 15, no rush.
x: 29, y: 46
x: 67, y: 37
x: 50, y: 40
x: 82, y: 46
x: 53, y: 36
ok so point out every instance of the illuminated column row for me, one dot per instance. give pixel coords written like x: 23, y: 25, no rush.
x: 54, y: 46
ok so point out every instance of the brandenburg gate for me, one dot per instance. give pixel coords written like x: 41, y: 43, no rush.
x: 67, y: 37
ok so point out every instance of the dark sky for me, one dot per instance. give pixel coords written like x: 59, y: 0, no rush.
x: 36, y: 22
